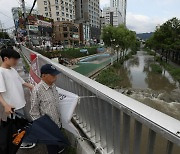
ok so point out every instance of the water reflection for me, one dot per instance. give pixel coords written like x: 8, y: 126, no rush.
x: 137, y: 74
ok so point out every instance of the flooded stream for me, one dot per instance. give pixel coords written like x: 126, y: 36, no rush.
x: 158, y: 90
x: 140, y: 76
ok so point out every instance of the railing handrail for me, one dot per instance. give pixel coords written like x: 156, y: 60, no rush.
x: 154, y: 119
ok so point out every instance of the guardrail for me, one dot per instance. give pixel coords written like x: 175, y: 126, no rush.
x: 113, y: 121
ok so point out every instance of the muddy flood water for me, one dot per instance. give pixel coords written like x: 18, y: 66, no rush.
x: 159, y: 91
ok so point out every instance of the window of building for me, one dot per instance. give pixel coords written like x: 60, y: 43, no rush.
x: 56, y: 1
x: 45, y: 8
x: 57, y: 13
x: 71, y: 16
x: 62, y: 8
x: 66, y: 9
x: 67, y: 15
x: 62, y: 13
x: 65, y: 29
x: 46, y: 14
x: 45, y: 2
x: 58, y: 19
x: 57, y: 7
x: 66, y: 3
x: 63, y: 19
x: 65, y: 35
x: 71, y: 11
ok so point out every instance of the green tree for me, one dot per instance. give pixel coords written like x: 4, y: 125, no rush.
x: 119, y: 38
x: 166, y: 39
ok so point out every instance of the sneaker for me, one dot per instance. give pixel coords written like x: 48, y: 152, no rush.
x: 61, y: 150
x: 27, y: 145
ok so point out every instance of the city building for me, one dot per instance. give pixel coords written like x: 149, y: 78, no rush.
x: 87, y: 12
x: 106, y: 15
x: 116, y: 13
x: 38, y: 29
x: 118, y: 7
x: 66, y: 33
x: 58, y: 10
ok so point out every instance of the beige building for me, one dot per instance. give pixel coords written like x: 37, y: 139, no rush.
x: 59, y: 10
x: 88, y: 11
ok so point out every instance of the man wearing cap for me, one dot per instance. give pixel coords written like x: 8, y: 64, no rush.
x: 45, y: 98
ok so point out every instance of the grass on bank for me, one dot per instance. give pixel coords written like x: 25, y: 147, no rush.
x: 175, y: 72
x: 156, y: 68
x: 150, y: 52
x: 110, y: 76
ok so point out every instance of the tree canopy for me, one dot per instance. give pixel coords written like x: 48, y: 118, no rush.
x: 166, y: 39
x: 119, y: 38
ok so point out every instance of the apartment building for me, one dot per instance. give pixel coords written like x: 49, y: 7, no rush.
x: 116, y: 13
x: 58, y: 10
x: 88, y: 13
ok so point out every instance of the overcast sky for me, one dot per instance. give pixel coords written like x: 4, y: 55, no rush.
x: 142, y: 15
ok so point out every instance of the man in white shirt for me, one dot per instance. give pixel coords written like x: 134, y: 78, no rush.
x: 11, y: 85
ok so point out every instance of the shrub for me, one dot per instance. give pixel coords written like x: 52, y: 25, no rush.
x: 109, y: 77
x: 156, y: 68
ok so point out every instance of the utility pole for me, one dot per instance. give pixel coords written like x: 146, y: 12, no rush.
x: 26, y: 20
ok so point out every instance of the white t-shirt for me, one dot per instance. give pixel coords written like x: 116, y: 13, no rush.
x: 11, y: 87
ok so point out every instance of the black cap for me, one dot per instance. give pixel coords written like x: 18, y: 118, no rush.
x: 49, y: 69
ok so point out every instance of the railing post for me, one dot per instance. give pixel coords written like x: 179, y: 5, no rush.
x: 126, y: 133
x: 117, y: 130
x: 151, y: 142
x: 137, y: 137
x: 169, y: 147
x: 109, y: 127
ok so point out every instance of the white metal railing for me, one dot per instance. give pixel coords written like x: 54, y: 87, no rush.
x: 117, y: 123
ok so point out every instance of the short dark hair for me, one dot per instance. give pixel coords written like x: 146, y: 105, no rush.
x: 9, y: 53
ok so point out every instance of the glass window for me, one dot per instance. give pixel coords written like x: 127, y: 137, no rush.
x: 63, y: 19
x: 65, y: 35
x: 58, y: 19
x: 67, y: 15
x: 64, y: 28
x: 57, y: 7
x: 62, y: 13
x: 45, y: 8
x: 57, y: 13
x: 45, y: 2
x: 46, y: 14
x: 56, y: 1
x: 62, y: 8
x: 66, y: 9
